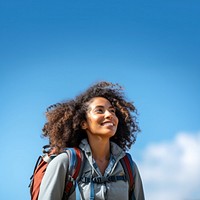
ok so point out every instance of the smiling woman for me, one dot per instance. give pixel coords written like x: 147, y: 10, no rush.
x: 100, y: 119
x: 102, y: 124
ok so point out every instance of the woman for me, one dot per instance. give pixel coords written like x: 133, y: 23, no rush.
x: 103, y: 125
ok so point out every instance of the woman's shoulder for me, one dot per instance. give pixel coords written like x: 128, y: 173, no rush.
x: 69, y: 155
x: 62, y: 159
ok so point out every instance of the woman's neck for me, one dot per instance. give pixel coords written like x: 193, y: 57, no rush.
x: 100, y: 148
x: 101, y: 152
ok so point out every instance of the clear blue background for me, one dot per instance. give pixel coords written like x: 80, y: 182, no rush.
x: 52, y: 50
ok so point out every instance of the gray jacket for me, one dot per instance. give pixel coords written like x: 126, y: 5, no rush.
x: 53, y: 182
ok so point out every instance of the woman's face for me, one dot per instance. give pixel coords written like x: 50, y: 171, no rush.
x: 101, y: 119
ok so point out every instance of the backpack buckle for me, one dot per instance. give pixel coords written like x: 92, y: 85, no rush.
x: 99, y: 179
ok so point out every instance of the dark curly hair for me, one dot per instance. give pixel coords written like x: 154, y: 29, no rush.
x: 63, y: 126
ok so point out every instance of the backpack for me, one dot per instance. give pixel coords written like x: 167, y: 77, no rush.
x: 75, y: 162
x: 75, y: 165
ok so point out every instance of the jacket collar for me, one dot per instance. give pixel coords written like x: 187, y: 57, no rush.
x: 116, y: 151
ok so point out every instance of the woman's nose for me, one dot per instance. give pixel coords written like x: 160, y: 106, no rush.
x: 108, y: 114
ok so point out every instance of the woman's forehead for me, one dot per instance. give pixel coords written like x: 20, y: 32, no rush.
x: 99, y: 101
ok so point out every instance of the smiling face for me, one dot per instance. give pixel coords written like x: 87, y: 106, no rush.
x: 101, y: 119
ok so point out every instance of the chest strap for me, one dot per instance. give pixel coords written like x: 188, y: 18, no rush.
x: 102, y: 179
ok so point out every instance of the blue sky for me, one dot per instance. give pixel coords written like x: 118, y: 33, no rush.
x: 52, y: 50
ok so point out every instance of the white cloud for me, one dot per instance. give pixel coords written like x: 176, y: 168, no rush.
x: 171, y: 170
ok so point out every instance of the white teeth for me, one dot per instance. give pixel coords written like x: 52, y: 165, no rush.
x: 108, y: 124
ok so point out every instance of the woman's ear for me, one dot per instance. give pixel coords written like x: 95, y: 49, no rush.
x: 83, y: 125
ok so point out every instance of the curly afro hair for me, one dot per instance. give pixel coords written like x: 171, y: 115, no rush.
x: 63, y: 126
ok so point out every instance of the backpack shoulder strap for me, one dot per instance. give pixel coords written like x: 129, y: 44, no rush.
x: 128, y: 166
x: 75, y: 167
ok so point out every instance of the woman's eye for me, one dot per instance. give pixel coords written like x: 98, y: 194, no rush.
x: 99, y: 110
x: 112, y: 110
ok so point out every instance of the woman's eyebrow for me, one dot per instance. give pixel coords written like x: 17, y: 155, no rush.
x: 100, y: 106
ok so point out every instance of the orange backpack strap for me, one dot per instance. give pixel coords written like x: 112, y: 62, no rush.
x: 75, y: 167
x: 128, y: 166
